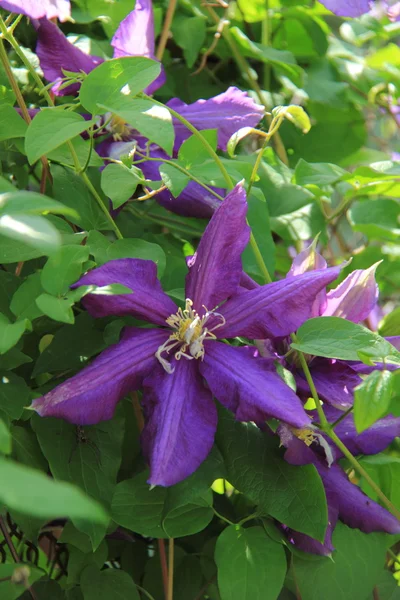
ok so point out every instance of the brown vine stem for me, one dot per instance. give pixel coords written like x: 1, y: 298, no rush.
x: 171, y: 547
x: 166, y: 28
x: 12, y: 550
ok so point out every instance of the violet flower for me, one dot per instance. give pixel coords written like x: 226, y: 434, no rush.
x: 228, y: 112
x: 345, y: 500
x: 37, y: 9
x: 134, y: 37
x: 348, y: 8
x: 174, y: 360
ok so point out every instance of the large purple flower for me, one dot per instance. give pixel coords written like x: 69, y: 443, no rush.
x: 134, y: 37
x: 345, y: 500
x: 36, y: 9
x: 180, y: 363
x: 228, y: 112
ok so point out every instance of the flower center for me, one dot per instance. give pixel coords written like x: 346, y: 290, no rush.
x: 305, y: 435
x: 119, y: 128
x: 189, y: 334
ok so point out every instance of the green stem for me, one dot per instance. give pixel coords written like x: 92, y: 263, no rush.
x: 217, y: 514
x: 201, y: 139
x: 342, y: 417
x: 259, y: 259
x: 327, y: 428
x: 265, y: 40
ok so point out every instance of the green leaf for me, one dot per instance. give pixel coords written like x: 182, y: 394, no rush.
x: 115, y: 79
x: 14, y: 250
x: 50, y: 128
x: 23, y: 303
x: 377, y: 219
x: 119, y: 183
x: 5, y: 439
x: 189, y: 34
x: 317, y: 173
x: 26, y: 449
x: 63, y: 268
x: 31, y: 492
x: 151, y: 120
x: 34, y: 231
x: 58, y: 309
x: 32, y: 203
x: 251, y: 566
x: 352, y: 572
x: 140, y: 509
x: 390, y: 324
x: 10, y: 333
x: 11, y: 124
x: 69, y: 188
x: 192, y: 151
x: 82, y: 147
x: 255, y: 466
x: 9, y: 284
x: 334, y: 337
x: 104, y: 585
x: 14, y: 395
x: 78, y: 561
x: 372, y: 399
x: 175, y: 180
x: 137, y: 248
x: 71, y: 347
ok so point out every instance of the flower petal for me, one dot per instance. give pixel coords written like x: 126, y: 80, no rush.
x: 355, y: 297
x: 135, y: 37
x: 335, y: 382
x: 308, y: 544
x: 228, y: 112
x: 249, y: 387
x: 347, y: 8
x: 310, y: 260
x: 147, y: 300
x: 275, y: 309
x: 50, y: 9
x: 375, y: 439
x: 91, y: 395
x: 55, y: 53
x: 216, y: 267
x: 181, y: 420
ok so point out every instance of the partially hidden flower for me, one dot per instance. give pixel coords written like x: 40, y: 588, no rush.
x: 182, y: 363
x: 37, y: 9
x: 345, y: 500
x: 348, y: 8
x: 227, y: 113
x: 134, y: 37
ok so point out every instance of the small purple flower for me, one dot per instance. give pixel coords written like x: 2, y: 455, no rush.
x: 37, y: 9
x: 348, y: 8
x: 174, y: 360
x: 345, y: 500
x: 134, y: 37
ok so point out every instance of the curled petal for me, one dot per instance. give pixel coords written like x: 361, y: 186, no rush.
x: 248, y: 387
x: 181, y: 420
x: 55, y: 53
x: 49, y: 9
x: 135, y: 37
x: 335, y: 382
x: 347, y: 8
x: 228, y: 112
x: 355, y: 297
x: 92, y: 394
x: 276, y: 309
x: 216, y: 267
x: 310, y: 260
x: 147, y: 300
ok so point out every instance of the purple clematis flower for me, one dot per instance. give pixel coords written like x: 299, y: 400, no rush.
x: 181, y: 363
x: 228, y: 112
x: 345, y: 500
x: 348, y: 8
x: 134, y: 37
x: 353, y: 299
x: 37, y: 9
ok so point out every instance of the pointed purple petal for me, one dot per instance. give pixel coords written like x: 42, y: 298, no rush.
x: 310, y: 260
x: 50, y: 9
x: 248, y: 387
x: 335, y: 382
x: 135, y: 37
x: 216, y: 268
x: 181, y: 420
x: 147, y: 300
x: 347, y: 8
x: 355, y: 297
x: 372, y: 441
x: 92, y: 394
x: 55, y: 53
x: 228, y: 112
x: 276, y: 309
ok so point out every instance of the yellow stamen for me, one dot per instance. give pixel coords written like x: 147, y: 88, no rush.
x: 119, y: 128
